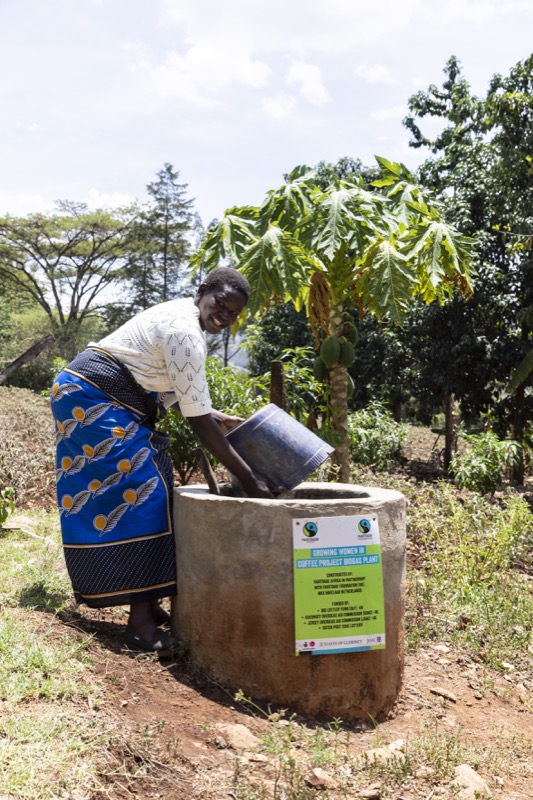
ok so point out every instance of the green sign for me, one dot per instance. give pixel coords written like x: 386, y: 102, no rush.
x: 338, y: 585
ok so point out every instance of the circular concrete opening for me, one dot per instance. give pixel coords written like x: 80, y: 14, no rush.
x: 235, y: 604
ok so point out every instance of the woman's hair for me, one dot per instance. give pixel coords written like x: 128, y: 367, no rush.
x: 226, y: 276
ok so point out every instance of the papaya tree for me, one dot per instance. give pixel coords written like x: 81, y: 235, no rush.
x: 339, y: 249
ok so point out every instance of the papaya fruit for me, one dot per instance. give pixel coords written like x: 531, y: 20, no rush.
x: 347, y: 354
x: 320, y: 371
x: 351, y: 333
x: 330, y: 350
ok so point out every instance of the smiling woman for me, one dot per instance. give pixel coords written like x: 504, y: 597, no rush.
x: 114, y: 475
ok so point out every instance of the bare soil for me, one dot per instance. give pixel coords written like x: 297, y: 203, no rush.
x: 445, y: 694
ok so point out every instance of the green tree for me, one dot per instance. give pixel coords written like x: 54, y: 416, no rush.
x: 510, y: 116
x: 481, y: 168
x: 64, y: 261
x: 164, y: 232
x: 339, y: 247
x: 279, y: 328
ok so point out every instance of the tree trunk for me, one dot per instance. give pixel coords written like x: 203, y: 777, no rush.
x: 29, y: 355
x: 339, y: 402
x: 339, y: 420
x: 517, y: 470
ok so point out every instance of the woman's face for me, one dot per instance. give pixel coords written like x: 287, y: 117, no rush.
x: 219, y: 308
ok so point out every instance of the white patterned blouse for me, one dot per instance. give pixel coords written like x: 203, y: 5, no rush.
x: 164, y: 348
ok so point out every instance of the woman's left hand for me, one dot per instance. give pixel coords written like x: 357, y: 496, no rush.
x: 226, y: 421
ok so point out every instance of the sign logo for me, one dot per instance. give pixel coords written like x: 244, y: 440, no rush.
x: 310, y: 529
x: 364, y: 526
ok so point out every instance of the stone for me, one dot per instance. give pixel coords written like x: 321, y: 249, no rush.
x: 424, y: 772
x: 471, y: 785
x: 442, y: 648
x: 320, y: 779
x: 372, y: 792
x: 238, y: 737
x: 441, y: 692
x: 384, y: 754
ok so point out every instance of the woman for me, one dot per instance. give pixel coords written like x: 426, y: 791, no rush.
x: 114, y: 476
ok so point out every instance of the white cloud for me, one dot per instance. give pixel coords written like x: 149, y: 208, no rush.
x: 278, y: 106
x: 97, y: 199
x: 394, y: 112
x: 198, y: 76
x: 311, y: 26
x: 307, y: 25
x: 238, y: 43
x: 378, y: 73
x: 28, y: 127
x: 19, y: 205
x: 308, y: 78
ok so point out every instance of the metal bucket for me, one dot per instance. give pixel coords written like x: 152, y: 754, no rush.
x: 278, y: 447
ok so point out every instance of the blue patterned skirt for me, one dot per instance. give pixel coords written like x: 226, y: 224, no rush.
x: 114, y: 484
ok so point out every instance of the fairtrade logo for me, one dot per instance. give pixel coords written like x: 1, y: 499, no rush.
x: 310, y: 529
x: 364, y: 526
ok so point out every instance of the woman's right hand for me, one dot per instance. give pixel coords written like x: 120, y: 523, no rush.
x: 257, y: 487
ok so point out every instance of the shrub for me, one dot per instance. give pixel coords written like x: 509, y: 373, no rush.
x: 235, y: 392
x: 303, y: 393
x: 482, y: 467
x: 375, y: 438
x: 7, y: 504
x: 231, y: 391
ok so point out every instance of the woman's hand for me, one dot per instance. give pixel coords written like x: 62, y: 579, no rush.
x: 226, y: 421
x: 256, y: 487
x: 208, y: 429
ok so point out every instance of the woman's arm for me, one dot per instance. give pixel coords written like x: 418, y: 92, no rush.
x: 208, y: 430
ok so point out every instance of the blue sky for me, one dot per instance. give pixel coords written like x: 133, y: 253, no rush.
x: 97, y: 94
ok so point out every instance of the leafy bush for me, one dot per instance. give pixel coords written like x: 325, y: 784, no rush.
x: 231, y: 392
x: 303, y: 393
x: 235, y: 392
x: 375, y: 438
x: 483, y: 466
x: 7, y: 504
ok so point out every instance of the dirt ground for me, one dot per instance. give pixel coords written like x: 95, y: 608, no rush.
x: 181, y: 711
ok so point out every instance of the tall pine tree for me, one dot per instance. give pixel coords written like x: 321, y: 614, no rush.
x: 164, y: 234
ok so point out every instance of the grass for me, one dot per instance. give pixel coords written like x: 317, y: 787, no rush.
x: 463, y: 587
x: 46, y: 751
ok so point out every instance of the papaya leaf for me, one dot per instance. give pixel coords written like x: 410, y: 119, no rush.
x: 386, y: 281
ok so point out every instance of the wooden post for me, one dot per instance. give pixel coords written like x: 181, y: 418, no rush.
x: 277, y: 384
x: 449, y: 430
